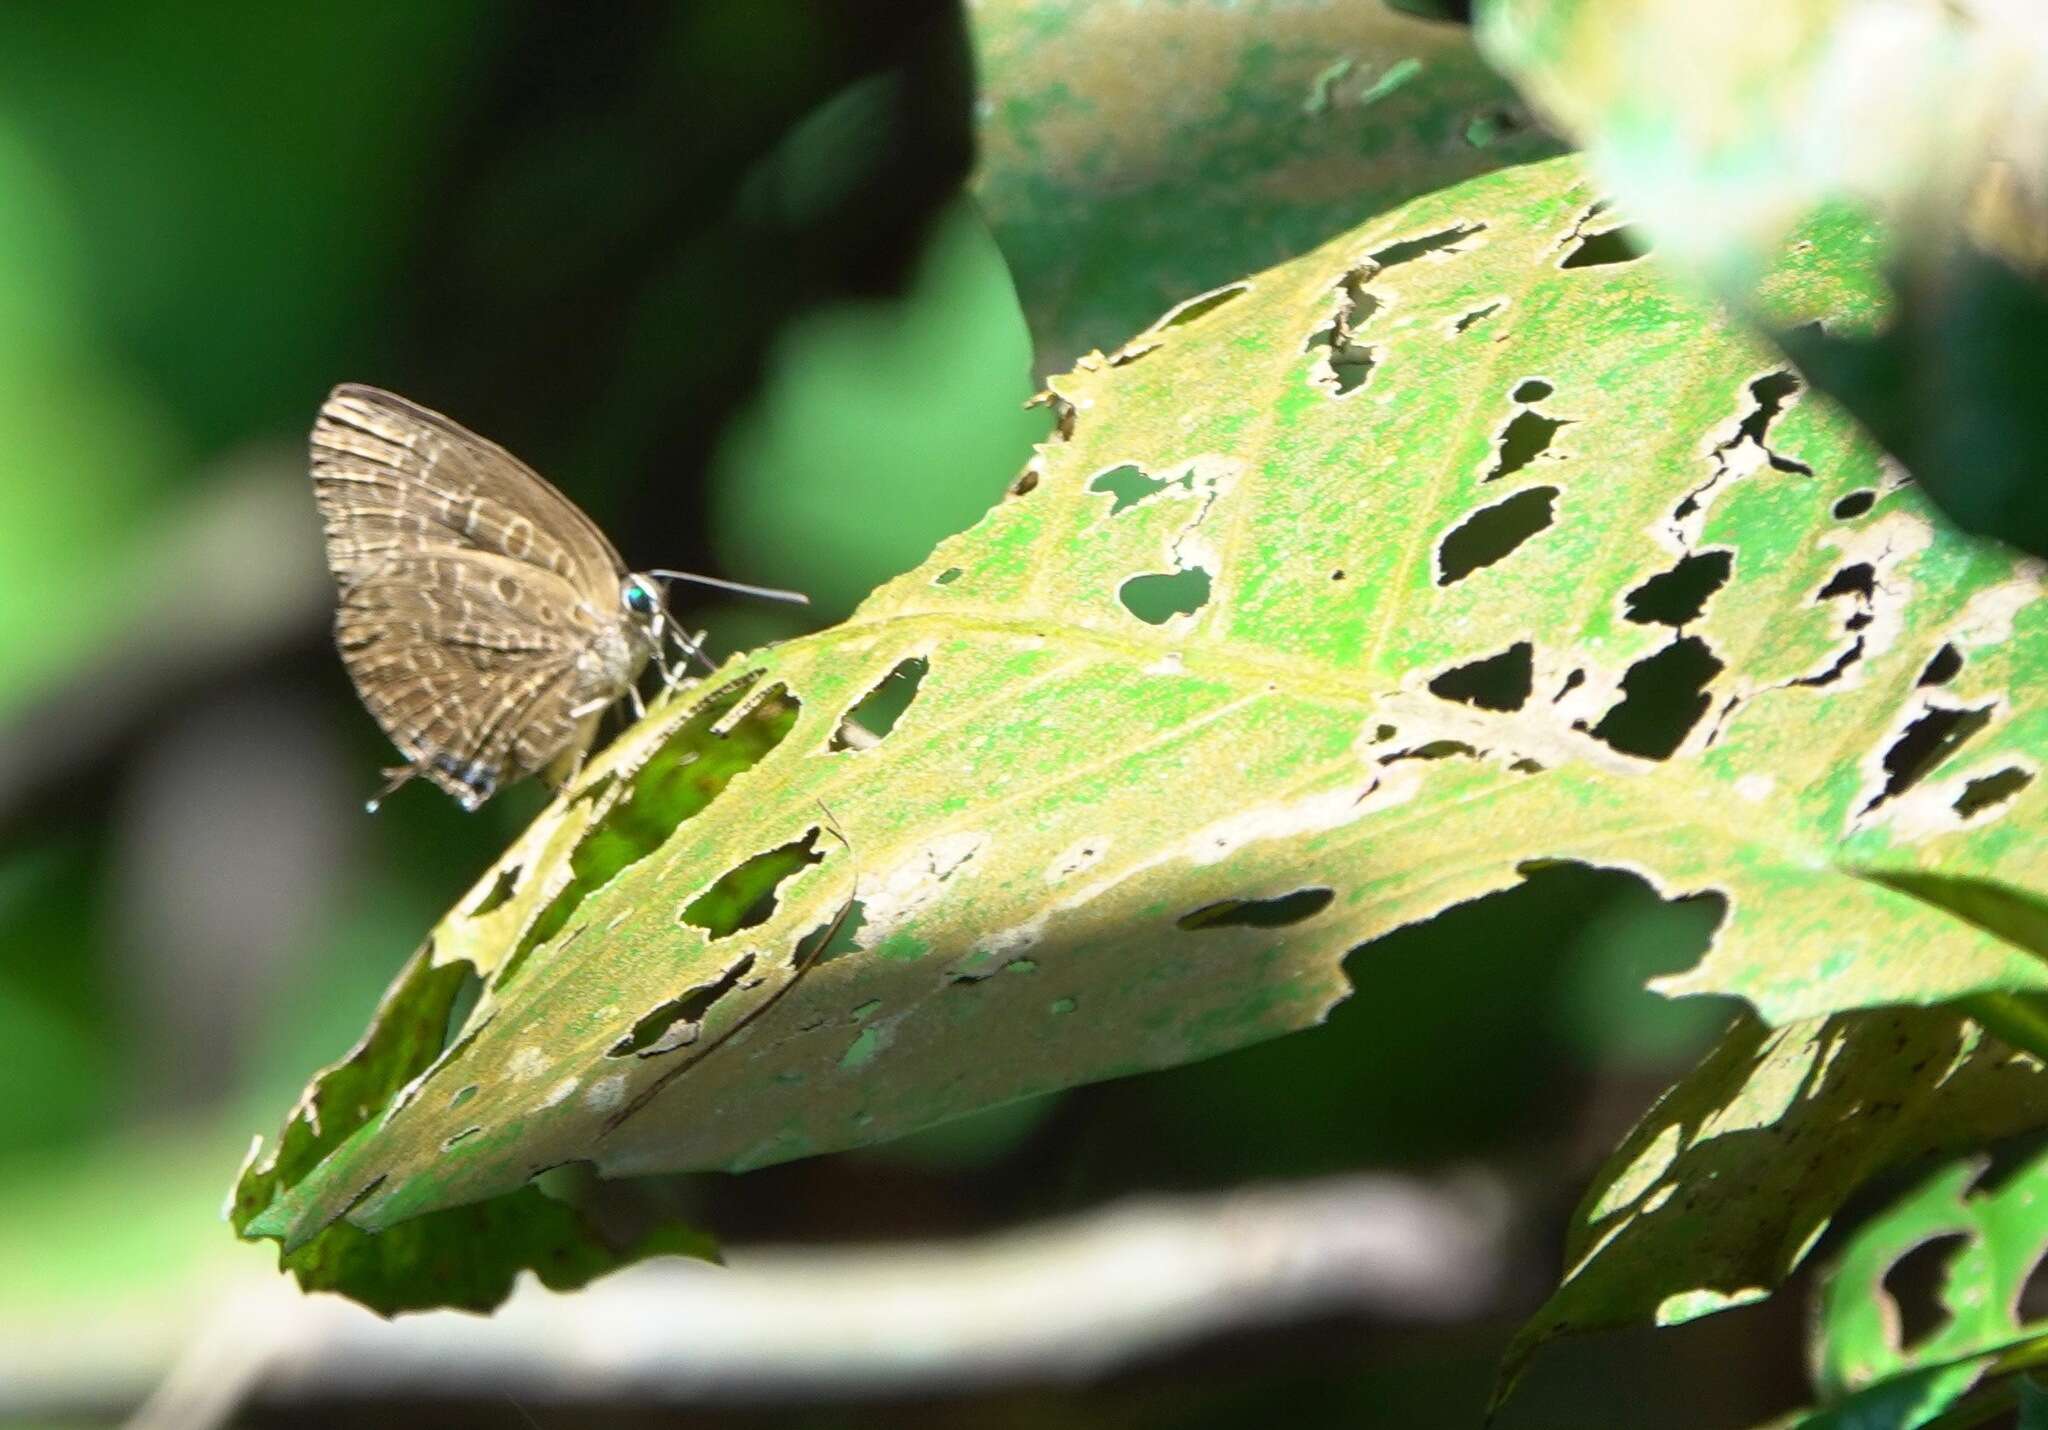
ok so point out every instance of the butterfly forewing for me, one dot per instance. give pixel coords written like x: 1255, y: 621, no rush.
x: 393, y: 478
x: 479, y: 614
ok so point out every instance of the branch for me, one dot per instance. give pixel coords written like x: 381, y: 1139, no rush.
x: 1062, y: 1301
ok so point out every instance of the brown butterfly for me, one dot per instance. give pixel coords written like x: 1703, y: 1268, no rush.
x: 486, y: 622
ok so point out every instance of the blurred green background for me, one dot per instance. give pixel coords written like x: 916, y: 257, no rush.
x: 713, y: 269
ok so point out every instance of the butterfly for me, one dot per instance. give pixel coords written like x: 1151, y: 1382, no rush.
x: 485, y: 620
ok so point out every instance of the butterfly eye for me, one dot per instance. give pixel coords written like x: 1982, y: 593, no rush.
x: 639, y: 600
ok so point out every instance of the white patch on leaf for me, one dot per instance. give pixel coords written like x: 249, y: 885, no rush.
x: 1084, y: 853
x: 1988, y: 616
x: 894, y: 899
x: 606, y: 1093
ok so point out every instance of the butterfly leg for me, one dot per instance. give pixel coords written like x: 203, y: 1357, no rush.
x: 393, y: 778
x: 692, y: 647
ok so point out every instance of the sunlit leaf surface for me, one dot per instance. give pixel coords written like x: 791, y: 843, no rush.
x: 1463, y: 544
x: 1727, y: 1184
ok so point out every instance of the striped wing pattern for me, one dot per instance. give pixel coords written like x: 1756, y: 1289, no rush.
x: 479, y: 608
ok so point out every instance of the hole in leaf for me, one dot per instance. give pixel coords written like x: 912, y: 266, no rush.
x: 1571, y: 682
x: 1128, y: 485
x: 2031, y: 1302
x: 1674, y: 597
x: 1477, y: 315
x: 1842, y: 662
x: 1534, y: 390
x: 495, y: 896
x: 684, y: 1015
x: 462, y: 1095
x: 1924, y: 744
x: 1434, y: 750
x: 1522, y: 441
x: 1349, y: 361
x: 1770, y: 393
x: 1914, y: 1284
x: 1992, y: 790
x: 1663, y: 697
x: 1945, y: 665
x: 1350, y: 365
x: 1491, y: 533
x: 1596, y: 250
x: 877, y: 712
x: 1198, y: 306
x: 690, y: 770
x: 463, y: 1135
x: 1499, y: 682
x: 1272, y: 913
x: 1855, y: 504
x: 467, y: 994
x: 831, y: 939
x: 1409, y: 249
x: 947, y: 577
x: 1858, y: 581
x: 1157, y: 599
x: 744, y: 896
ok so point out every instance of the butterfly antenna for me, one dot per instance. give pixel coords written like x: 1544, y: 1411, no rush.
x: 766, y: 593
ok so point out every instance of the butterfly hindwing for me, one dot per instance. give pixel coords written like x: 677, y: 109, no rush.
x: 479, y: 613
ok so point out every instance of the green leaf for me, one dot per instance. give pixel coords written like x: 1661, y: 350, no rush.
x: 465, y: 1257
x: 1928, y: 118
x: 2000, y: 1235
x: 1726, y: 1185
x: 1134, y: 154
x: 1429, y: 557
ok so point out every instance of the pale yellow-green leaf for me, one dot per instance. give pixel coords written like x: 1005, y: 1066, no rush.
x: 1103, y: 839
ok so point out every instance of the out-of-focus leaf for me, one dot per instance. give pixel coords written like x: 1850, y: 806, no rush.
x: 1134, y: 154
x: 1988, y: 1240
x: 85, y: 451
x: 912, y: 407
x: 1726, y: 1185
x: 235, y: 230
x: 1341, y: 598
x: 1728, y: 128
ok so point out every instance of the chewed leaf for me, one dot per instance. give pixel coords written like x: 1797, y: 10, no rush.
x: 1136, y: 160
x: 1108, y: 834
x: 1799, y: 123
x: 1725, y: 1187
x: 1935, y: 1294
